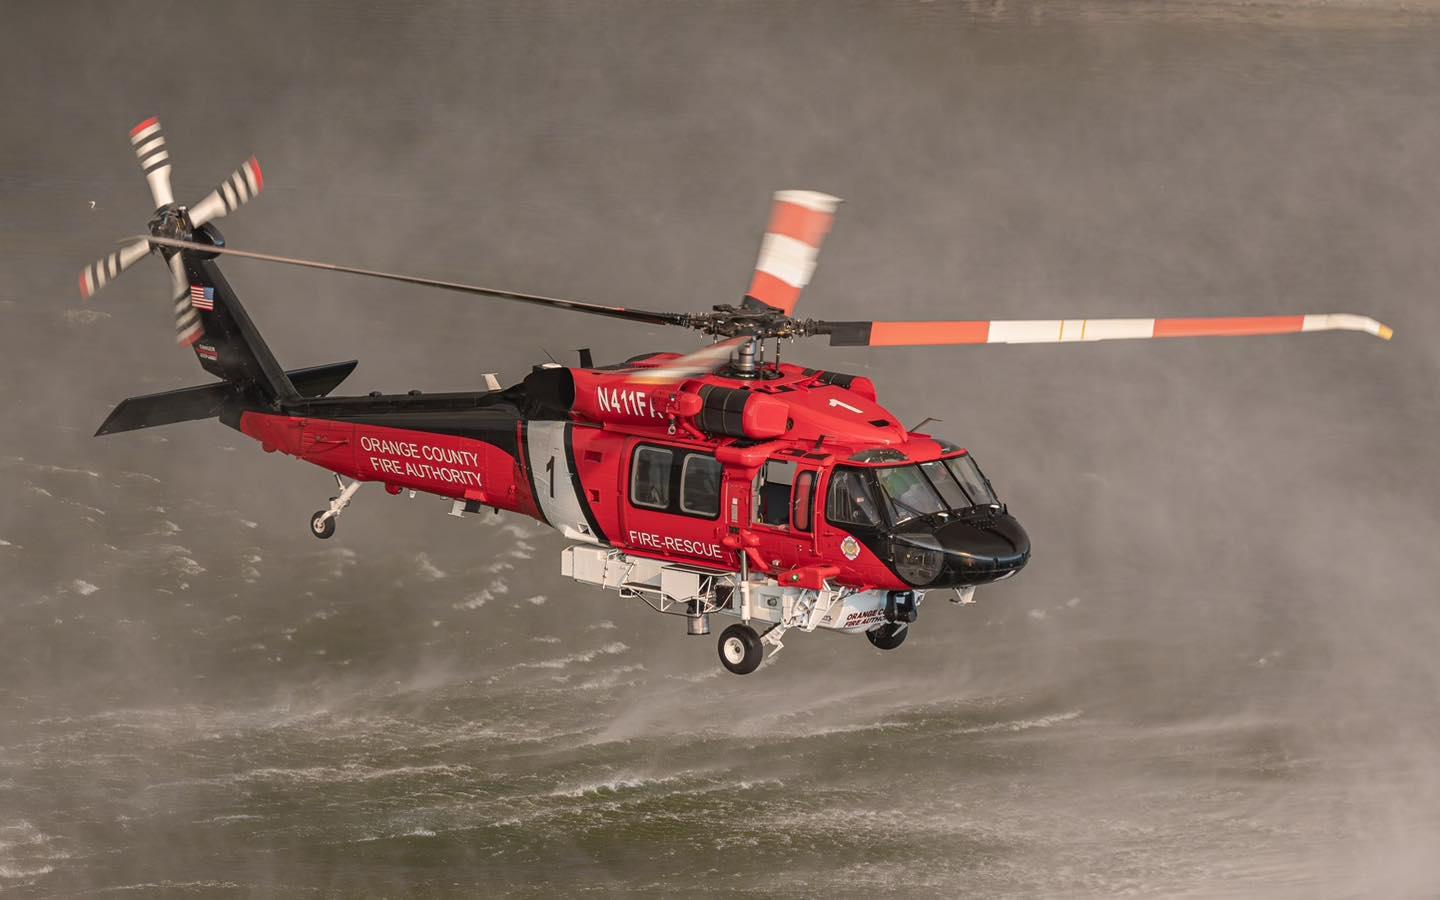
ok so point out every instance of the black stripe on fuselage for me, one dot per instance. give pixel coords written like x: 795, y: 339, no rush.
x: 524, y: 458
x: 579, y: 487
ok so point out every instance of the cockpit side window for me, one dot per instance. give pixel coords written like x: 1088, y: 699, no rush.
x: 850, y: 500
x: 803, y: 501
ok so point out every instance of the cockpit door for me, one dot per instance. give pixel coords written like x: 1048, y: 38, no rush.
x: 784, y: 497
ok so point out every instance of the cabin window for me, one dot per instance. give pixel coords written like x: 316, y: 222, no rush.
x: 675, y: 481
x: 650, y: 477
x: 700, y: 485
x: 851, y: 500
x: 803, y: 501
x: 772, y: 493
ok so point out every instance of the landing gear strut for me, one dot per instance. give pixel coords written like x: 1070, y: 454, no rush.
x: 740, y: 649
x: 322, y: 524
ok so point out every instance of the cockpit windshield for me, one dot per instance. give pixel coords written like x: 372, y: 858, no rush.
x: 939, y: 486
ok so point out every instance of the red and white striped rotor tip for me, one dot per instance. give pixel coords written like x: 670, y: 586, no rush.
x: 232, y: 193
x: 149, y: 142
x: 799, y: 221
x: 107, y: 268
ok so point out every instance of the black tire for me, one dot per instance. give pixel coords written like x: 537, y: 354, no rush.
x: 322, y: 527
x: 887, y: 636
x: 740, y: 649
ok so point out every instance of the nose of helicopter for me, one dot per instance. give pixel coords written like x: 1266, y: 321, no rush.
x: 982, y: 548
x: 985, y: 547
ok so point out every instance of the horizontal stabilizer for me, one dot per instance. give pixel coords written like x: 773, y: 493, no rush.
x: 209, y: 400
x: 184, y: 405
x: 318, y: 381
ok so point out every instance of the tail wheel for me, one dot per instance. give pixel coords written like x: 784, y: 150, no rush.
x: 322, y: 526
x: 888, y: 636
x: 740, y: 649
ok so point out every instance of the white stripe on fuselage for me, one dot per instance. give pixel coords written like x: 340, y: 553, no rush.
x: 554, y: 486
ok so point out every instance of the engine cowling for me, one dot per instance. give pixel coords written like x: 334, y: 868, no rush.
x: 733, y: 412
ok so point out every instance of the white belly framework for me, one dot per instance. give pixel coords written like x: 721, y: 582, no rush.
x: 689, y: 590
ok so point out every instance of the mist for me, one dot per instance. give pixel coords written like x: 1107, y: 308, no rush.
x: 1216, y: 676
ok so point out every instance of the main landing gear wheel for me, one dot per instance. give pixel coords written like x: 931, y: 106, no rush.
x: 740, y: 649
x: 321, y: 525
x: 888, y: 636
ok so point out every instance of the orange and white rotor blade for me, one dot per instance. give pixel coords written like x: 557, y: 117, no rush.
x: 1064, y: 331
x: 799, y: 221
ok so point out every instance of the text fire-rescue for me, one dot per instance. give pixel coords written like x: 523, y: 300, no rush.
x: 676, y: 545
x: 631, y: 403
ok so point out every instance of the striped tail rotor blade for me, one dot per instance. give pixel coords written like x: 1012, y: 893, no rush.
x: 799, y: 221
x: 187, y: 322
x: 243, y: 184
x: 104, y: 270
x: 149, y: 143
x: 1064, y: 331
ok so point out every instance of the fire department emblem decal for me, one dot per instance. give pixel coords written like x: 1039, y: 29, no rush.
x: 850, y: 547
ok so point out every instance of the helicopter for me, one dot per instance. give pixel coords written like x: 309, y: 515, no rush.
x: 710, y: 483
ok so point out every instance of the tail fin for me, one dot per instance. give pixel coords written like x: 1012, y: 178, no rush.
x: 231, y: 347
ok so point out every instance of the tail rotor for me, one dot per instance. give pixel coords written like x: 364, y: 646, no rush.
x: 173, y: 222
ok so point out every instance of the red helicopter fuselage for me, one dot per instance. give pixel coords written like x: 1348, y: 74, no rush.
x: 698, y: 473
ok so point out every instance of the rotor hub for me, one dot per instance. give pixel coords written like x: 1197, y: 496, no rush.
x: 732, y: 321
x: 172, y: 222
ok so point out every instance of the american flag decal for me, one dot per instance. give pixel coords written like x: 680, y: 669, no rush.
x: 206, y: 352
x: 202, y: 297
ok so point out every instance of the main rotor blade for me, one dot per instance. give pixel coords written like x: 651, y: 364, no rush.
x: 799, y: 221
x: 617, y: 312
x: 691, y: 365
x: 1064, y: 331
